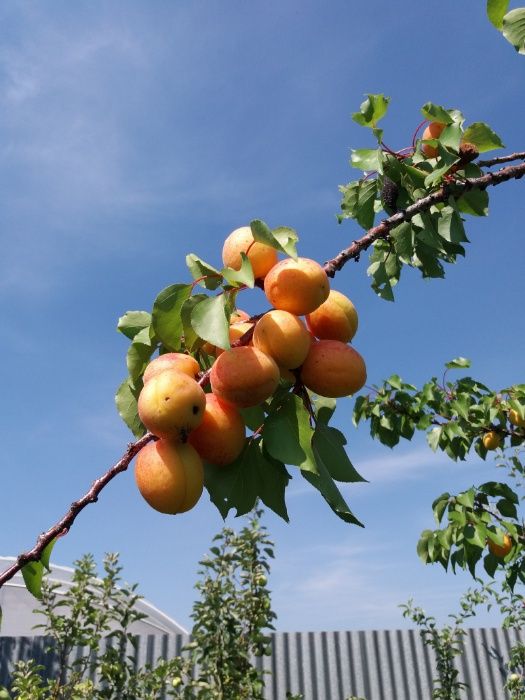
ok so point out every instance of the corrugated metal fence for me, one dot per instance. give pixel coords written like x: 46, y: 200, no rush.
x: 375, y: 665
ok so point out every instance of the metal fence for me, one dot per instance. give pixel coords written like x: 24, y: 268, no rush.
x: 375, y: 665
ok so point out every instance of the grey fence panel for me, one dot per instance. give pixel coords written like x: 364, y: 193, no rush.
x: 375, y: 665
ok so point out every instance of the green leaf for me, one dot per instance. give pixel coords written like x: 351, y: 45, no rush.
x: 381, y: 283
x: 358, y: 201
x: 33, y: 573
x: 514, y: 28
x: 403, y: 237
x: 126, y: 402
x: 324, y: 408
x: 191, y: 339
x: 435, y: 113
x: 507, y: 509
x: 281, y: 238
x: 490, y: 562
x: 445, y: 162
x: 328, y: 447
x: 371, y: 110
x: 210, y: 321
x: 287, y: 434
x: 450, y: 226
x: 495, y: 11
x: 46, y: 553
x: 139, y: 354
x: 482, y: 136
x: 439, y: 506
x: 474, y: 202
x: 324, y: 483
x: 253, y: 416
x: 253, y: 475
x: 166, y: 315
x: 366, y: 159
x: 200, y: 269
x: 132, y: 322
x: 457, y: 363
x: 243, y: 276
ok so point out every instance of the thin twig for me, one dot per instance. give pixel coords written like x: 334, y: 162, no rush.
x: 63, y: 525
x: 382, y: 230
x: 501, y: 159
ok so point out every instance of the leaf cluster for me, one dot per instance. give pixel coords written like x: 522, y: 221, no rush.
x: 454, y: 414
x: 395, y: 180
x: 510, y: 23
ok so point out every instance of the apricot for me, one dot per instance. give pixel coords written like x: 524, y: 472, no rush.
x: 284, y: 337
x: 333, y: 369
x: 169, y: 475
x: 261, y: 256
x: 432, y: 131
x: 335, y: 319
x: 238, y: 316
x: 171, y: 404
x: 501, y: 550
x: 219, y: 439
x: 298, y: 286
x: 237, y: 330
x: 244, y: 376
x: 514, y: 418
x: 172, y: 360
x: 491, y: 440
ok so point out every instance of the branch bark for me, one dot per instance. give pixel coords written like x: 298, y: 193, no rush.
x: 382, y: 230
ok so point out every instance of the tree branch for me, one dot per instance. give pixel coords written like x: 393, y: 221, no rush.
x: 382, y: 230
x: 63, y: 525
x: 501, y: 159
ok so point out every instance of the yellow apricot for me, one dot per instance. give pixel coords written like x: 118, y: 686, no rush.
x: 491, y: 440
x: 219, y: 439
x: 335, y: 319
x: 501, y: 550
x: 298, y: 286
x: 172, y: 360
x: 514, y: 418
x: 433, y: 131
x: 169, y: 475
x: 171, y: 404
x: 261, y: 256
x: 237, y: 330
x: 333, y: 369
x: 244, y: 376
x: 284, y: 337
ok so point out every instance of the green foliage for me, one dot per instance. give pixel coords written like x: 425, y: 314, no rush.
x: 33, y: 571
x: 510, y: 24
x: 431, y: 237
x: 446, y: 641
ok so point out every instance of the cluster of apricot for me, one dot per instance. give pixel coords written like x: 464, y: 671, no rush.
x: 277, y: 346
x: 493, y: 439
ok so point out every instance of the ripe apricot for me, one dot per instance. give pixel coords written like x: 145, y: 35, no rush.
x: 284, y: 337
x: 238, y: 316
x: 298, y: 286
x: 501, y: 550
x: 244, y: 376
x: 514, y: 418
x: 170, y: 476
x: 333, y: 369
x: 237, y: 330
x: 171, y: 404
x: 335, y: 319
x: 172, y: 360
x: 491, y: 440
x: 432, y: 131
x: 261, y: 256
x: 219, y: 439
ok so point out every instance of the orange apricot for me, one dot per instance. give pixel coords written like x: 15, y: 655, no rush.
x: 298, y: 286
x: 219, y: 439
x: 514, y: 418
x: 284, y: 337
x: 171, y: 404
x: 501, y: 550
x: 244, y: 376
x: 238, y: 316
x: 335, y: 319
x: 170, y: 476
x: 261, y: 256
x: 172, y: 360
x: 432, y: 131
x: 333, y: 369
x: 491, y: 440
x: 237, y: 330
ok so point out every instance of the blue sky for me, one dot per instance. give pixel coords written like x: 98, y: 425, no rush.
x: 134, y: 133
